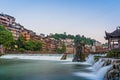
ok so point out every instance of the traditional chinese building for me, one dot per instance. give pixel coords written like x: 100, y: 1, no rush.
x: 113, y: 39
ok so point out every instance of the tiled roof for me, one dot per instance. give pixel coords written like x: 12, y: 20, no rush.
x: 114, y: 34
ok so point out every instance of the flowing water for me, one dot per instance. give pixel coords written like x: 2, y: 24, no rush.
x: 90, y: 59
x: 49, y: 67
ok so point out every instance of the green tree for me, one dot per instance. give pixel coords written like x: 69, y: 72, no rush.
x: 33, y: 45
x: 20, y: 42
x: 82, y: 38
x: 63, y: 48
x: 29, y: 45
x: 59, y: 50
x: 38, y: 46
x: 6, y: 38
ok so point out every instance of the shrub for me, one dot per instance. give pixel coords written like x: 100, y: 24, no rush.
x: 113, y: 54
x: 97, y: 58
x: 59, y: 50
x: 82, y: 57
x: 21, y: 50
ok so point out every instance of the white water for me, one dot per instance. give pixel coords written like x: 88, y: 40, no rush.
x: 97, y: 72
x: 102, y: 71
x: 96, y: 75
x: 97, y: 69
x: 55, y: 57
x: 98, y: 64
x: 90, y: 59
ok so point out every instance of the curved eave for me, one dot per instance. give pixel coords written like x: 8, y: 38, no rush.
x: 107, y: 35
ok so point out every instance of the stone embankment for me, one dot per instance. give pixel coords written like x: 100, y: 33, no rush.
x: 114, y: 72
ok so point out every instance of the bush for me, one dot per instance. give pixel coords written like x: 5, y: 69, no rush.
x: 33, y: 45
x: 113, y: 54
x: 97, y: 58
x: 82, y: 57
x: 59, y: 50
x: 21, y: 50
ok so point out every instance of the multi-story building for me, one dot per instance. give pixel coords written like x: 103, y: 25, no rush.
x: 26, y: 34
x: 69, y: 43
x: 4, y: 20
x: 15, y: 29
x: 45, y: 44
x: 10, y: 24
x: 49, y: 45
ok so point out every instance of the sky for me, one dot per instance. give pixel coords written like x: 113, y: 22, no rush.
x: 90, y: 18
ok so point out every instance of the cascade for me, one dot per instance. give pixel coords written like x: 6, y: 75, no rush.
x: 102, y: 71
x: 98, y: 64
x: 55, y: 57
x: 90, y: 59
x: 95, y: 75
x: 33, y: 56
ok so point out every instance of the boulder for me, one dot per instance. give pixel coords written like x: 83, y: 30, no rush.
x: 114, y: 72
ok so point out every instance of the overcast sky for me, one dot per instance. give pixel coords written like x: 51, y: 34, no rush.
x: 85, y: 17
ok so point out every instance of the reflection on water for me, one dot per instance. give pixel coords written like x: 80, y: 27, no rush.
x: 15, y: 69
x: 49, y: 67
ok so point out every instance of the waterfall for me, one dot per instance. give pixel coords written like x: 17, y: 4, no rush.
x: 96, y: 75
x: 35, y: 56
x: 31, y: 56
x: 102, y: 71
x: 98, y: 64
x: 98, y: 70
x: 90, y: 59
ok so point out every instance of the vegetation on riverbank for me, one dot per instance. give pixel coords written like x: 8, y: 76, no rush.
x: 82, y: 38
x: 21, y: 44
x: 6, y: 38
x: 62, y: 49
x: 32, y: 45
x: 113, y: 54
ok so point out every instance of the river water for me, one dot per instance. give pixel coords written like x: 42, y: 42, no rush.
x: 45, y: 67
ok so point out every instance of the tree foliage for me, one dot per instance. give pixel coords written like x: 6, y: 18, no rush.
x: 62, y: 49
x: 20, y: 41
x: 82, y: 38
x: 6, y: 38
x: 33, y: 45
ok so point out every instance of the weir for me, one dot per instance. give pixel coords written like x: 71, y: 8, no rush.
x: 95, y: 71
x: 90, y: 59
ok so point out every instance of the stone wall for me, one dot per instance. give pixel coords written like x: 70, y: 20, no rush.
x: 114, y: 72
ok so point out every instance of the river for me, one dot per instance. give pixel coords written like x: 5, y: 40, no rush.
x: 46, y: 67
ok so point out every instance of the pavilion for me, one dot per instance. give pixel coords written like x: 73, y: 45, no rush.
x: 113, y: 39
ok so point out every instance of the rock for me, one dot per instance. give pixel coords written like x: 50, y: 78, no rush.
x: 107, y: 62
x: 64, y: 57
x: 112, y: 74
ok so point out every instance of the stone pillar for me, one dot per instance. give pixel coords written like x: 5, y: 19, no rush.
x: 109, y: 44
x: 119, y: 43
x: 79, y: 51
x: 113, y: 45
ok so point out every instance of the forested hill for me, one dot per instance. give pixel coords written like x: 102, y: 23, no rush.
x: 82, y: 38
